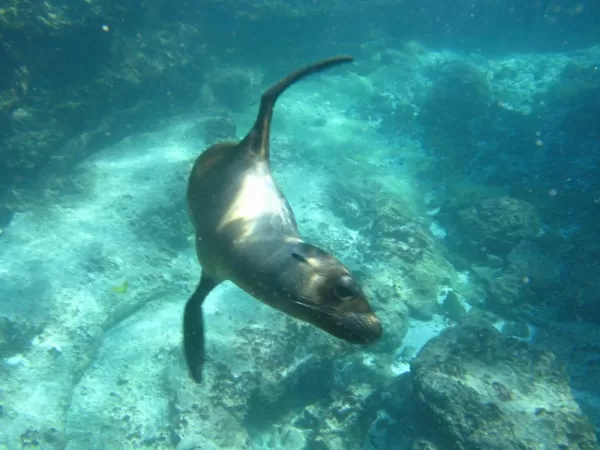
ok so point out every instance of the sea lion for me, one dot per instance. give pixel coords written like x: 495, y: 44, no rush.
x: 246, y: 232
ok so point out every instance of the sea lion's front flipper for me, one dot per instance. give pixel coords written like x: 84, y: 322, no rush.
x: 257, y: 139
x: 193, y: 328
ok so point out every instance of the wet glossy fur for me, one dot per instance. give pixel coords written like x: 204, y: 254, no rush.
x: 246, y: 232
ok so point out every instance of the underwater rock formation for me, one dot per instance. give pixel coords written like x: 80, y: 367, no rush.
x: 461, y: 91
x: 459, y: 96
x: 232, y: 88
x: 409, y: 249
x: 55, y: 110
x: 357, y: 211
x: 530, y: 277
x: 474, y: 388
x: 397, y: 236
x: 215, y: 129
x: 15, y: 336
x: 300, y: 404
x: 496, y: 225
x: 409, y: 260
x: 508, y: 291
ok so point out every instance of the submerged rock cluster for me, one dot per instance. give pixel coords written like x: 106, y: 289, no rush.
x: 495, y: 225
x: 475, y: 388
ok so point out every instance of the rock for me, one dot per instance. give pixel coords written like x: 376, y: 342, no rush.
x: 508, y: 291
x: 516, y: 329
x: 422, y: 444
x: 405, y: 239
x: 213, y: 130
x: 542, y: 266
x: 313, y: 376
x: 485, y: 273
x: 393, y: 312
x: 496, y: 225
x: 98, y: 103
x: 231, y: 88
x: 355, y: 210
x: 477, y: 389
x: 16, y: 336
x: 452, y: 308
x: 461, y: 91
x: 396, y: 234
x: 219, y: 129
x: 493, y: 261
x: 415, y: 263
x: 408, y: 353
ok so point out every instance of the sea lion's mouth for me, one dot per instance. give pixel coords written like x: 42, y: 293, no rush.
x: 360, y: 328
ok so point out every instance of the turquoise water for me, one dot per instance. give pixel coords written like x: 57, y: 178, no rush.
x: 458, y: 185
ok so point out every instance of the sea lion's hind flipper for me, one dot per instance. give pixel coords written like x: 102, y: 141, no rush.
x: 258, y: 138
x: 193, y: 328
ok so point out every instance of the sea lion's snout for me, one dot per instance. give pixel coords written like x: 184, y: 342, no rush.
x: 358, y: 328
x: 362, y: 328
x: 353, y: 311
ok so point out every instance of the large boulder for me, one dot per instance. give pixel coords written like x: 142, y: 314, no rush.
x: 496, y: 225
x: 476, y: 389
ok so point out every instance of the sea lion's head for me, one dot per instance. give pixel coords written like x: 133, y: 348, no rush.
x: 327, y: 295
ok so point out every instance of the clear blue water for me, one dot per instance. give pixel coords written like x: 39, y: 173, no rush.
x: 453, y: 167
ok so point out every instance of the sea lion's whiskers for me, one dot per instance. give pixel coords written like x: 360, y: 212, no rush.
x: 319, y: 308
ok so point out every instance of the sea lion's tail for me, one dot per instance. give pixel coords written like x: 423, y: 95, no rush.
x: 258, y: 139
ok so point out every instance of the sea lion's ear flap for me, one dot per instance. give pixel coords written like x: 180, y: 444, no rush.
x: 307, y: 253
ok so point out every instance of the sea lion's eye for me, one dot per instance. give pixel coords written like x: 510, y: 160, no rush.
x: 343, y: 292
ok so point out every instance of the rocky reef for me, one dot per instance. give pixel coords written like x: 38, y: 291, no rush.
x: 53, y: 121
x: 495, y: 225
x: 409, y: 261
x: 474, y: 388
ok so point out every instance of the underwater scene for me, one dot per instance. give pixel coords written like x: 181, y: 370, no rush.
x: 311, y: 225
